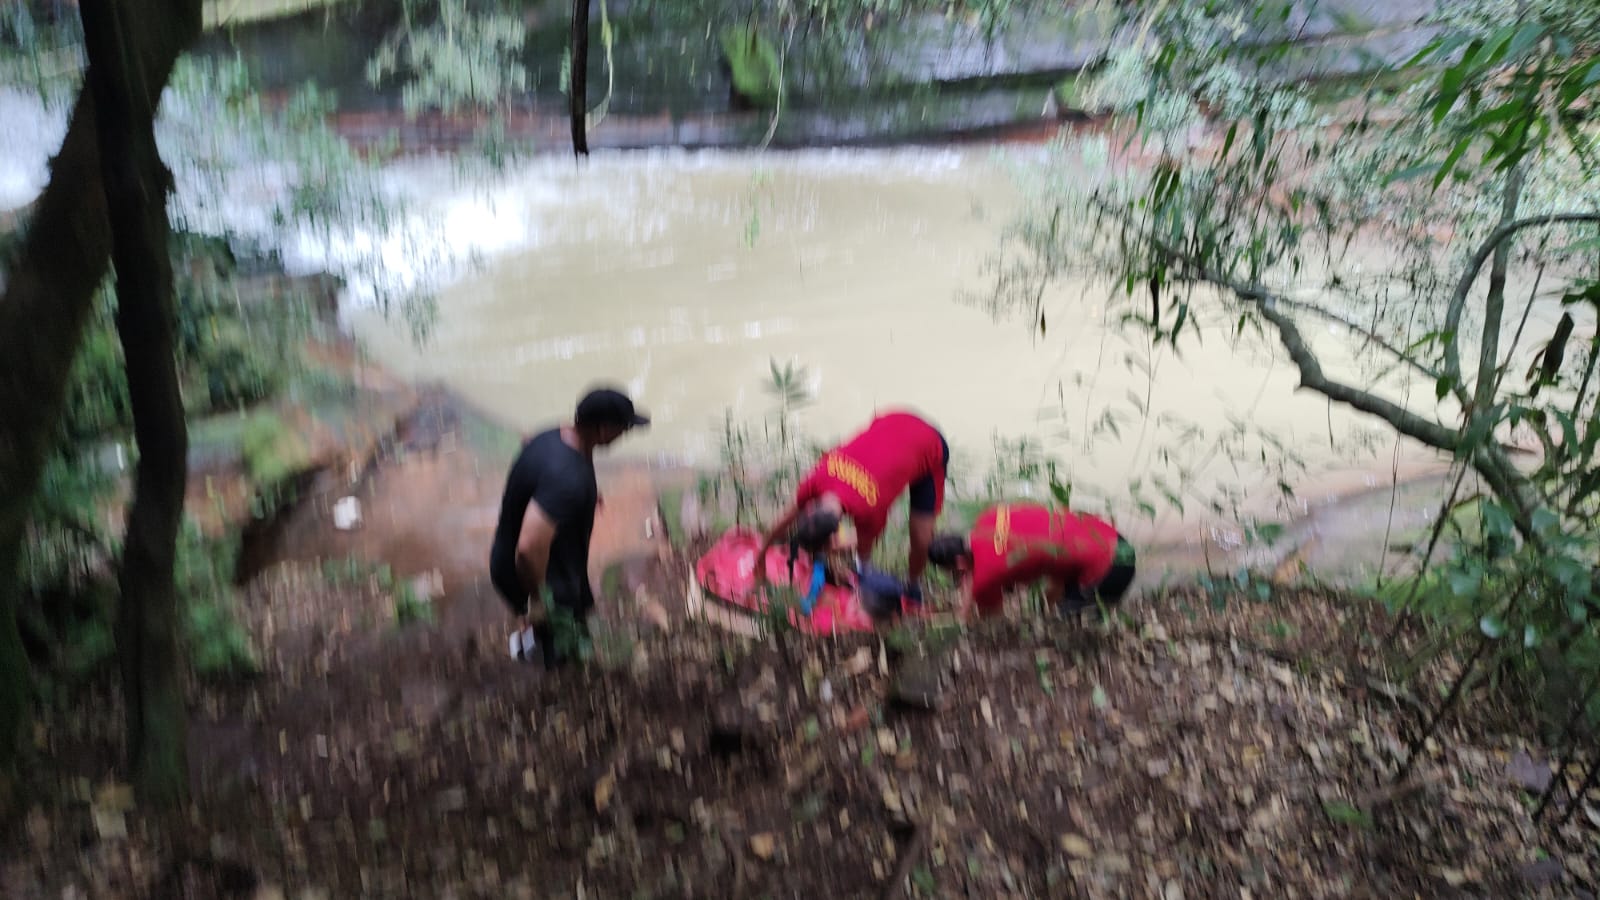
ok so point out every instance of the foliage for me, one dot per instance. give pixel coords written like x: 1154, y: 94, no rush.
x: 753, y: 62
x: 38, y: 50
x: 308, y: 188
x: 1425, y: 232
x: 465, y: 60
x: 218, y: 645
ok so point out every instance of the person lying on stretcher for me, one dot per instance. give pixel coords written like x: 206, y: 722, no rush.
x: 832, y: 549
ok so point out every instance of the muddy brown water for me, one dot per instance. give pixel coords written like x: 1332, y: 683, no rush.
x: 685, y: 277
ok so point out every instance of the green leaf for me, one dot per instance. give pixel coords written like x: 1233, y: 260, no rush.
x: 1464, y: 584
x: 1270, y: 531
x: 1411, y: 172
x: 1098, y: 697
x: 1496, y: 521
x: 1530, y: 636
x: 1449, y: 164
x: 1545, y: 521
x: 1525, y: 37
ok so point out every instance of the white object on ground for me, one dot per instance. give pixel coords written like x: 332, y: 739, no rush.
x: 347, y: 513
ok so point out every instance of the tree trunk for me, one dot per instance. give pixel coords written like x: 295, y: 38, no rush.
x: 578, y: 78
x: 136, y: 185
x: 42, y: 314
x: 47, y: 301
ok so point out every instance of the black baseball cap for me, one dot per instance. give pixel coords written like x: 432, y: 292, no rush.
x: 605, y: 406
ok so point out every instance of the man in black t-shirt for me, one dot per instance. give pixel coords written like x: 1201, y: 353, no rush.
x: 547, y: 516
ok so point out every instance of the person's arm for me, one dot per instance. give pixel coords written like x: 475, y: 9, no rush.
x: 774, y: 534
x: 533, y: 548
x: 982, y: 598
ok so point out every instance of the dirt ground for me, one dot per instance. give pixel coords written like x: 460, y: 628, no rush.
x: 1189, y: 752
x: 1206, y: 746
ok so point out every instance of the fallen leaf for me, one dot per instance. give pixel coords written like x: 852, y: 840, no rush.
x: 1116, y: 863
x: 987, y: 710
x: 1172, y: 890
x: 115, y: 797
x: 1077, y: 845
x: 892, y: 802
x: 860, y: 662
x: 763, y: 845
x: 1099, y: 697
x: 887, y: 744
x: 603, y: 789
x: 110, y: 824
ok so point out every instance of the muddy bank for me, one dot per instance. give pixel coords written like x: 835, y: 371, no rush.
x: 429, y: 495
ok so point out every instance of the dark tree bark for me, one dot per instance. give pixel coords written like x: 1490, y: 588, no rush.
x: 136, y: 186
x: 47, y: 301
x: 578, y: 78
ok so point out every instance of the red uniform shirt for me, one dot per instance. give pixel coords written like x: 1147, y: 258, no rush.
x: 1016, y: 543
x: 873, y: 468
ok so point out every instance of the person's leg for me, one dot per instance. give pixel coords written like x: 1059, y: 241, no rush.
x: 927, y: 498
x: 922, y: 524
x: 516, y: 600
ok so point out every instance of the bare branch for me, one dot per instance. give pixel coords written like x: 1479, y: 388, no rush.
x: 1312, y: 377
x: 1271, y: 305
x: 1372, y: 337
x: 1495, y: 305
x: 1458, y: 300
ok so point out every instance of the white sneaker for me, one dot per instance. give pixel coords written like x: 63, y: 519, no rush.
x: 524, y: 645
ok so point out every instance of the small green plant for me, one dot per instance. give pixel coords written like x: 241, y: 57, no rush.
x: 411, y: 607
x: 778, y: 611
x: 218, y: 645
x: 1345, y: 814
x: 570, y: 635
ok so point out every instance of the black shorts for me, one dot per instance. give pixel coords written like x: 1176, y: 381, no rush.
x: 925, y: 490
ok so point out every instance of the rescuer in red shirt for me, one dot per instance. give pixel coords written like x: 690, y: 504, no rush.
x: 861, y: 479
x: 1013, y: 544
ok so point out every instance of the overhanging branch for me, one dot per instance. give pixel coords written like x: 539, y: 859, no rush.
x: 1372, y: 337
x: 1458, y: 299
x: 1312, y: 377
